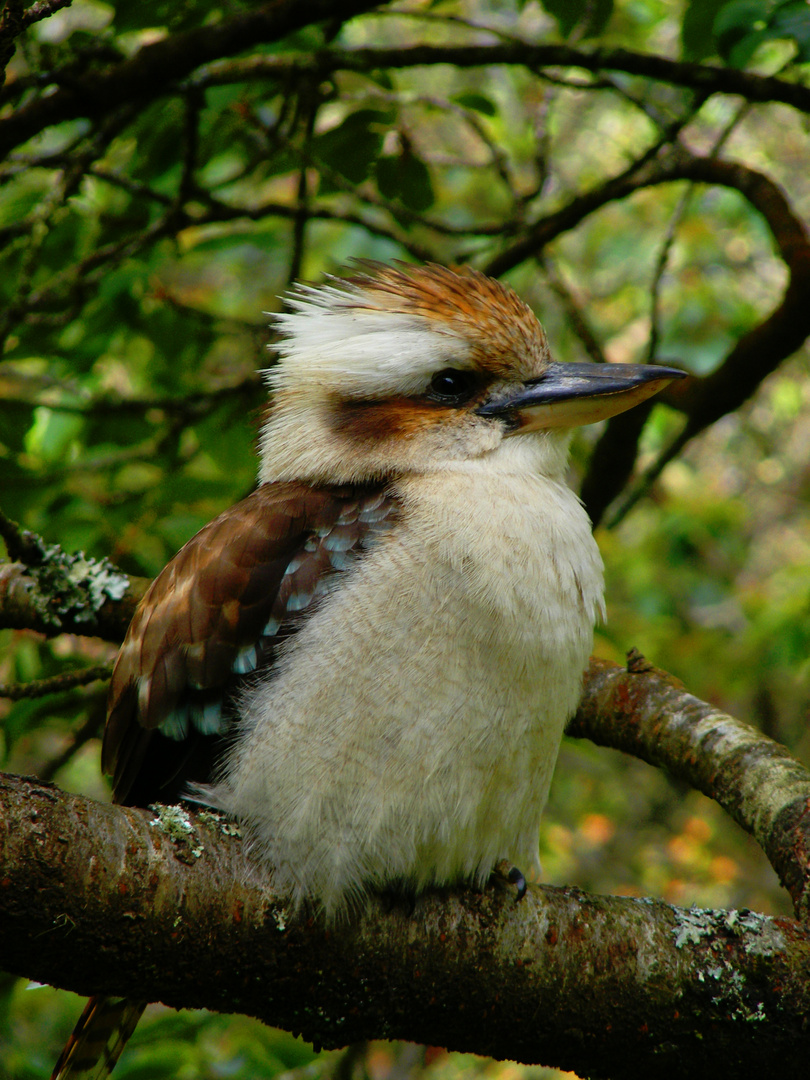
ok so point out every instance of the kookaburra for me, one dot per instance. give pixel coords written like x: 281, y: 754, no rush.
x: 371, y: 659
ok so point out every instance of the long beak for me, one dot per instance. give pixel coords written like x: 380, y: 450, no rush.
x: 567, y: 395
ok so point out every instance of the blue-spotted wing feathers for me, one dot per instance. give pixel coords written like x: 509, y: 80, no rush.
x: 214, y: 616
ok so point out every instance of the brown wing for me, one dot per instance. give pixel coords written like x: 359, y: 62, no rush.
x: 213, y: 617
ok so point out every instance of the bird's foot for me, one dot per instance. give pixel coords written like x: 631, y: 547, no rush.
x: 511, y: 874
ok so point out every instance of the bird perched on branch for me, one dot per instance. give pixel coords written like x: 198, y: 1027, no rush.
x: 371, y: 659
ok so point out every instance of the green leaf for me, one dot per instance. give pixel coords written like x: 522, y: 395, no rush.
x: 159, y: 134
x: 743, y: 52
x: 477, y: 102
x: 590, y: 17
x: 15, y: 421
x: 792, y: 20
x: 739, y: 28
x: 52, y: 434
x: 381, y: 77
x: 697, y: 30
x: 406, y: 177
x: 354, y: 145
x: 142, y: 14
x: 20, y: 194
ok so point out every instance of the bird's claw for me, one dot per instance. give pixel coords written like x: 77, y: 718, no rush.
x: 514, y: 876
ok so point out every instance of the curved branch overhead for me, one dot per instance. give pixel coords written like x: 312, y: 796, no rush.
x: 703, y: 78
x: 757, y: 353
x: 158, y: 68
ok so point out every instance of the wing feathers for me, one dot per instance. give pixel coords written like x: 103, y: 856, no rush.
x: 216, y: 613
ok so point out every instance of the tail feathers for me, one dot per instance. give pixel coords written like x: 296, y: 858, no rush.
x: 98, y: 1039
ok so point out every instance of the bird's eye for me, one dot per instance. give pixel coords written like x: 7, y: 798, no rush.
x: 452, y: 386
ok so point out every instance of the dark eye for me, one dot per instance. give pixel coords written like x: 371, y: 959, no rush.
x: 452, y: 386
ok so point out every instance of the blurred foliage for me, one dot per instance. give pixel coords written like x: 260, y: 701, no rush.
x: 139, y: 251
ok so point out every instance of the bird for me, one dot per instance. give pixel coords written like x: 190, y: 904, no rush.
x: 369, y: 662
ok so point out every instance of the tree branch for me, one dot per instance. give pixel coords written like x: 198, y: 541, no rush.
x: 154, y: 68
x: 158, y: 68
x: 703, y: 78
x: 106, y: 899
x: 756, y: 354
x: 648, y: 713
x: 68, y: 594
x: 43, y: 9
x: 56, y: 684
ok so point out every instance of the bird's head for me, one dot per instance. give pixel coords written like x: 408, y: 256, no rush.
x: 413, y: 369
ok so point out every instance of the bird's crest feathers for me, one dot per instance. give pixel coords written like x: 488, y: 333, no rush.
x: 389, y: 328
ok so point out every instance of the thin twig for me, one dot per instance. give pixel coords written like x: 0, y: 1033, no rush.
x: 55, y: 684
x: 677, y: 216
x: 310, y: 108
x: 576, y: 315
x: 645, y: 482
x: 639, y: 173
x: 43, y: 9
x: 675, y: 219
